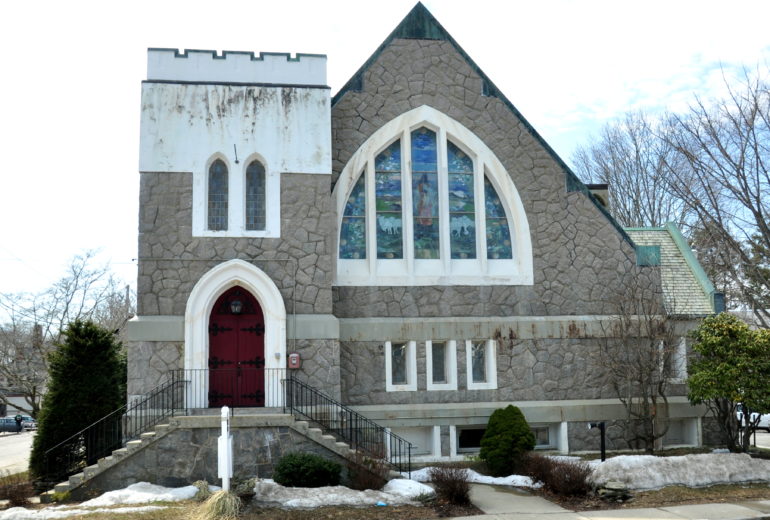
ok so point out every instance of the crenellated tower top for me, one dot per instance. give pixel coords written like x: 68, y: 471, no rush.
x: 206, y: 66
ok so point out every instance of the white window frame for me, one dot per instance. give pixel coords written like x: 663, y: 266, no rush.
x: 236, y: 200
x: 411, y: 368
x: 551, y: 434
x: 372, y: 271
x: 490, y: 360
x: 450, y: 364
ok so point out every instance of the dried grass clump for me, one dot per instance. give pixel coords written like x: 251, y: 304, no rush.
x: 203, y: 492
x: 222, y: 505
x: 16, y: 488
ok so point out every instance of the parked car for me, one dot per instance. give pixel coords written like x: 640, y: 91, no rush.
x: 764, y: 419
x: 8, y: 424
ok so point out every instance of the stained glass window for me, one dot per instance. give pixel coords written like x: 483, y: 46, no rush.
x: 479, y: 361
x: 498, y: 234
x: 387, y: 189
x: 217, y: 196
x: 462, y: 212
x: 353, y: 232
x: 425, y: 194
x: 438, y: 356
x: 255, y: 196
x: 398, y: 364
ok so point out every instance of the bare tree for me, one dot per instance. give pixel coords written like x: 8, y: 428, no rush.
x: 725, y: 148
x: 35, y: 322
x: 630, y: 156
x: 638, y: 354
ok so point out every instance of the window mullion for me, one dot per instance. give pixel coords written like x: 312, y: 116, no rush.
x: 371, y: 219
x: 481, y: 214
x: 406, y: 198
x: 443, y: 197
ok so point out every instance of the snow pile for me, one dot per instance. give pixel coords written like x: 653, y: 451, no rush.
x: 407, y: 488
x: 52, y: 513
x: 141, y: 493
x: 650, y: 472
x: 267, y: 491
x: 423, y: 475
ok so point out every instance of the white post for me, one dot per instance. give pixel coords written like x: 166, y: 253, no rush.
x: 225, y: 451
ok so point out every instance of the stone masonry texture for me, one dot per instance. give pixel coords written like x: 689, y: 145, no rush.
x: 186, y: 455
x: 171, y: 260
x: 579, y: 257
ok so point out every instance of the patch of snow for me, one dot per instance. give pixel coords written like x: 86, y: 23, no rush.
x: 423, y: 475
x: 407, y: 488
x: 651, y: 472
x: 53, y: 513
x: 141, y: 493
x: 307, y: 498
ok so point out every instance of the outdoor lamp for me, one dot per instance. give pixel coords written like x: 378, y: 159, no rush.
x: 236, y: 306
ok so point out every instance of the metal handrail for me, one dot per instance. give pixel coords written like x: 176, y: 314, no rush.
x: 305, y: 402
x: 114, y: 430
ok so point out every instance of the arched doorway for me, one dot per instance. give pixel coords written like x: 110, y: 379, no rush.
x: 236, y: 350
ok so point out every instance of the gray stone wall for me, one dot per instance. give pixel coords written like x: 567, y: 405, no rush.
x: 579, y: 258
x: 580, y: 438
x: 543, y: 369
x: 171, y: 260
x: 149, y: 363
x: 320, y: 364
x: 186, y: 455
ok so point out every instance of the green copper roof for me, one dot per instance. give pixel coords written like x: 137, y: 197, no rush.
x: 419, y: 24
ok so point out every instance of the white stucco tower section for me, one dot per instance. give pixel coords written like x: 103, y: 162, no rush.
x: 200, y: 303
x: 198, y: 107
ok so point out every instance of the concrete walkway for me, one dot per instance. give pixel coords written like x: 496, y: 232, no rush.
x: 501, y: 503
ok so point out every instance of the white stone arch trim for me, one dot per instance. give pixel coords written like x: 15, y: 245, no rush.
x: 518, y: 271
x: 200, y: 303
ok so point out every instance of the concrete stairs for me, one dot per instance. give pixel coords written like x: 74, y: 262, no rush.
x: 240, y: 420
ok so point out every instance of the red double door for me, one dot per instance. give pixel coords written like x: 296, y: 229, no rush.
x: 236, y: 351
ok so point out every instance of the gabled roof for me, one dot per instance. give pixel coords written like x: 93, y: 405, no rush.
x: 686, y: 287
x: 420, y: 24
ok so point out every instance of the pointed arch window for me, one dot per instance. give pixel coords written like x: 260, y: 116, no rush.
x: 255, y: 196
x: 426, y: 208
x: 217, y: 196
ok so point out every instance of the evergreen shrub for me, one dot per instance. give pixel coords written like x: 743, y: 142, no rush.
x: 506, y: 440
x: 87, y: 375
x: 306, y: 470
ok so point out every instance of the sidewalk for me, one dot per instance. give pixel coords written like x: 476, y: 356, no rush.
x: 499, y: 503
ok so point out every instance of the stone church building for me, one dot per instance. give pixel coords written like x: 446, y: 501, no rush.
x: 409, y: 246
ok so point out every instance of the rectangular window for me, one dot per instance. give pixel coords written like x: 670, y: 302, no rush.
x: 438, y: 351
x: 398, y: 363
x: 469, y: 439
x: 542, y: 436
x: 400, y: 366
x: 479, y: 362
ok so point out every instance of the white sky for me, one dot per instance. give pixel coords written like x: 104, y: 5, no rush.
x: 69, y: 96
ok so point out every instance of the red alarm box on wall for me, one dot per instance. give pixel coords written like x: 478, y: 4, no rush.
x: 294, y: 360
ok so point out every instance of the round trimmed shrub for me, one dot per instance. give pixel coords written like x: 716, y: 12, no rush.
x: 507, y: 438
x: 306, y: 470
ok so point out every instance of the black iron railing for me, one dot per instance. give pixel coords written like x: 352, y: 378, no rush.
x: 305, y: 402
x: 109, y: 433
x: 239, y: 387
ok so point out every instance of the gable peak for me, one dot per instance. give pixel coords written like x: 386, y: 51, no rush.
x: 420, y: 24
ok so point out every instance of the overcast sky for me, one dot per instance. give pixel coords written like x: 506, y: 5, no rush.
x: 72, y: 70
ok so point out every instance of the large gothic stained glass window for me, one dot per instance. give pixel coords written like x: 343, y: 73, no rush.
x: 430, y: 200
x: 217, y: 196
